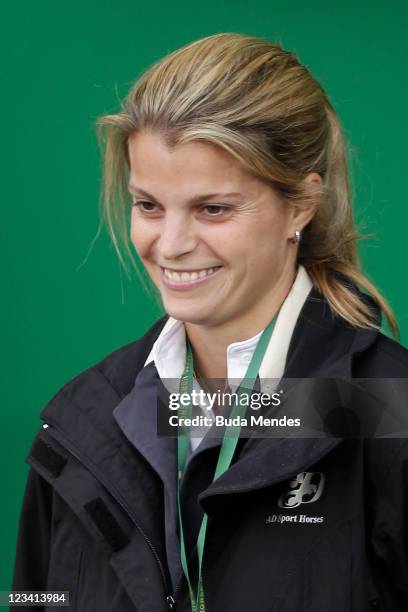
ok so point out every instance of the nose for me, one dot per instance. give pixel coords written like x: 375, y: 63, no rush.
x: 176, y: 238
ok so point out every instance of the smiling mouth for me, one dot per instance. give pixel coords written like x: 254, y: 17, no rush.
x: 188, y: 275
x: 184, y: 279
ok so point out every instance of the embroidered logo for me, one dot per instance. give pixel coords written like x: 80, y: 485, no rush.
x: 306, y: 488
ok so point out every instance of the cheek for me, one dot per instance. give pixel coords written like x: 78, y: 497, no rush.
x: 270, y: 240
x: 139, y: 236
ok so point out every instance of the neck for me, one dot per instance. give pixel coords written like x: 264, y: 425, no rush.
x: 210, y: 342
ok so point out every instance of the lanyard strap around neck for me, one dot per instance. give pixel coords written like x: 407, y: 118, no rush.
x: 226, y: 453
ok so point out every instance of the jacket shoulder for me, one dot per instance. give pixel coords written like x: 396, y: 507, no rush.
x: 385, y: 358
x: 117, y: 370
x: 121, y: 366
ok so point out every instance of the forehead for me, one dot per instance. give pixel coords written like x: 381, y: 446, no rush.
x: 152, y: 162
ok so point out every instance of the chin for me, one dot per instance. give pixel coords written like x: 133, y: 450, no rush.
x: 189, y: 315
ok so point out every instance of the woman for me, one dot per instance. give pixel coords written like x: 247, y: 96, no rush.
x: 240, y: 213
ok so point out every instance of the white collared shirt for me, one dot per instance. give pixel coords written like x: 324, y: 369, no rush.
x: 169, y: 350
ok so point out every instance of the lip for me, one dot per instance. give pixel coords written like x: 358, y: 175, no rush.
x: 186, y: 285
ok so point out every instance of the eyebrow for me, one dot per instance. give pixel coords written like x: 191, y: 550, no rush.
x: 193, y: 200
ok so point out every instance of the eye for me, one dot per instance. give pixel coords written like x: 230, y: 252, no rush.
x: 216, y: 210
x: 144, y: 206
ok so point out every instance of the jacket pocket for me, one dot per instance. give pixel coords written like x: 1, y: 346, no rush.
x: 98, y: 587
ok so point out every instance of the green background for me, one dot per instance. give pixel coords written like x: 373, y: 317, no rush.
x: 64, y: 305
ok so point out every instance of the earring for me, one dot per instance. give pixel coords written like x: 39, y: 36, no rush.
x: 296, y: 238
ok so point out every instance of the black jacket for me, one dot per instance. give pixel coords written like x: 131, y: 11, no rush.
x: 92, y: 519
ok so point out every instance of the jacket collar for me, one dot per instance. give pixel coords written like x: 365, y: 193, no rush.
x: 322, y: 344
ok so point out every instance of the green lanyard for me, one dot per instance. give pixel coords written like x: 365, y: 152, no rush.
x: 226, y: 453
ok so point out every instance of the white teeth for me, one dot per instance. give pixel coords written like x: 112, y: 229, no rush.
x: 187, y: 276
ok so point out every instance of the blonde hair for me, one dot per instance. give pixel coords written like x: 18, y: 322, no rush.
x: 258, y: 102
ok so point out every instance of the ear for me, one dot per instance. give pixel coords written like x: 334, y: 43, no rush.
x: 302, y: 215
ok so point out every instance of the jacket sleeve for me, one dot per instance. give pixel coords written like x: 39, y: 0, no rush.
x: 34, y: 533
x: 389, y: 536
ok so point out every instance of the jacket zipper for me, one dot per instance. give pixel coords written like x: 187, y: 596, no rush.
x: 55, y: 432
x: 181, y: 576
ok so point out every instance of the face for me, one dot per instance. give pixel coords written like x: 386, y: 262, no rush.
x: 213, y: 239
